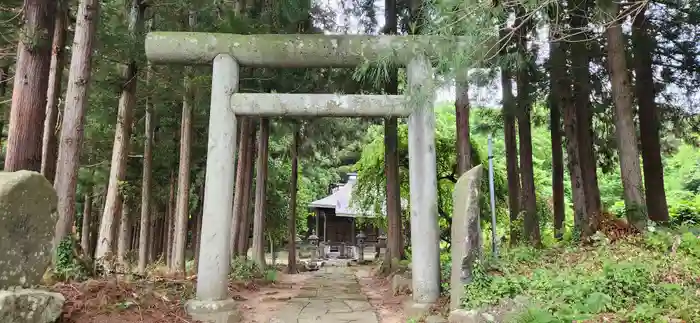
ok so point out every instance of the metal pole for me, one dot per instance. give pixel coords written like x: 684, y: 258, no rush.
x: 492, y: 192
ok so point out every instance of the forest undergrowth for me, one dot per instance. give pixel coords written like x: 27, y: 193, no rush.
x: 154, y: 297
x: 654, y: 277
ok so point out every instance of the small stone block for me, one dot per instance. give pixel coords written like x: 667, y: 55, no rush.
x: 463, y: 316
x: 221, y: 311
x: 30, y: 306
x: 416, y: 310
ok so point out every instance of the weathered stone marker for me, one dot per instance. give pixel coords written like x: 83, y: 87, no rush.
x: 466, y: 232
x: 30, y: 306
x: 227, y: 52
x: 28, y: 218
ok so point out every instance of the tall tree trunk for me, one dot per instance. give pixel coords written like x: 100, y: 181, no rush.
x: 527, y: 178
x: 71, y: 139
x: 95, y: 226
x: 261, y: 195
x: 556, y: 104
x: 119, y: 159
x: 183, y: 189
x: 23, y: 149
x: 557, y: 165
x: 134, y: 239
x: 49, y: 150
x: 198, y: 227
x: 3, y: 91
x: 170, y: 216
x: 580, y: 62
x: 394, y: 247
x: 292, y: 221
x: 243, y: 155
x: 649, y: 124
x: 624, y: 123
x: 122, y: 135
x: 562, y: 97
x: 156, y: 249
x: 87, y: 220
x: 124, y: 233
x: 146, y: 184
x: 462, y: 117
x: 244, y: 226
x: 511, y: 148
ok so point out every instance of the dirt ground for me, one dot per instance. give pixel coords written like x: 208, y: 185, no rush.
x: 389, y: 308
x: 257, y: 306
x: 160, y: 300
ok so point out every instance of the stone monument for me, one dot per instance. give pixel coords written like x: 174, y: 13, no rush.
x: 28, y: 218
x: 466, y: 232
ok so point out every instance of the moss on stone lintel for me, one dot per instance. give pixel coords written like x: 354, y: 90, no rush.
x: 290, y: 51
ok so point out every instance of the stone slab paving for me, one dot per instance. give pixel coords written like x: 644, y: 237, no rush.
x: 333, y: 295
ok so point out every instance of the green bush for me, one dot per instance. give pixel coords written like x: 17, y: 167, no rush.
x: 642, y: 280
x: 684, y: 208
x: 68, y: 265
x: 244, y: 270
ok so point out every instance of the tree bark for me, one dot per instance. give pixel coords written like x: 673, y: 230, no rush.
x: 244, y: 225
x: 157, y: 249
x: 95, y: 226
x: 119, y: 159
x: 462, y: 116
x: 87, y: 220
x: 72, y: 134
x: 556, y: 104
x: 557, y: 164
x: 649, y: 124
x: 170, y: 226
x: 122, y: 136
x: 23, y: 149
x: 243, y: 155
x: 624, y: 123
x: 511, y: 148
x: 146, y: 179
x: 562, y: 97
x: 292, y: 224
x: 198, y: 227
x: 183, y: 189
x: 49, y: 150
x: 394, y: 248
x: 124, y: 233
x: 5, y: 110
x: 260, y: 194
x: 580, y: 70
x: 527, y: 179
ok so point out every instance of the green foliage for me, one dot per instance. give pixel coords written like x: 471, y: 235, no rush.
x: 67, y: 265
x: 369, y: 191
x: 246, y: 270
x: 243, y: 269
x: 641, y: 279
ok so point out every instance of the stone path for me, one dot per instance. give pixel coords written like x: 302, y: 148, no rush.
x: 333, y: 295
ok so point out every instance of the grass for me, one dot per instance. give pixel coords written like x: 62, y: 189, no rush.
x: 650, y: 278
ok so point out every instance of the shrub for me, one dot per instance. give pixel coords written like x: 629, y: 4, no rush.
x: 68, y: 262
x: 640, y: 279
x: 243, y: 269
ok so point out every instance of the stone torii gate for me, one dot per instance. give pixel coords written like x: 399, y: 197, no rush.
x: 227, y: 52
